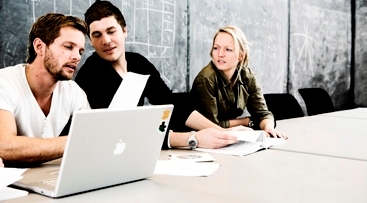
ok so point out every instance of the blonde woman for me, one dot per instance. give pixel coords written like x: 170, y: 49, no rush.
x: 226, y: 86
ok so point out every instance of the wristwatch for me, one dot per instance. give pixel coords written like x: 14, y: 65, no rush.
x: 250, y: 124
x: 193, y: 142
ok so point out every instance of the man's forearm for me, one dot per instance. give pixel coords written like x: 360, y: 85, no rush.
x: 28, y: 150
x: 197, y: 121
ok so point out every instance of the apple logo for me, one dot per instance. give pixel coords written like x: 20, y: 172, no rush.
x: 162, y: 126
x: 120, y: 147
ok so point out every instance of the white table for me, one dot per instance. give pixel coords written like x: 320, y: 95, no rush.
x: 360, y: 113
x: 326, y: 135
x: 265, y: 176
x: 279, y: 176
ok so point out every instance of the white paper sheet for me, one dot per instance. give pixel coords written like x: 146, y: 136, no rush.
x: 271, y: 141
x: 239, y: 149
x: 7, y: 177
x: 250, y: 142
x: 129, y: 91
x: 184, y: 168
x: 193, y: 157
x: 11, y: 193
x: 10, y: 175
x: 249, y: 136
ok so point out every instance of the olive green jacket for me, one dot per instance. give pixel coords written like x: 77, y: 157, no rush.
x: 215, y: 98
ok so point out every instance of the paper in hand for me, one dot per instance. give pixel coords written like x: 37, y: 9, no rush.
x: 129, y: 91
x: 249, y: 136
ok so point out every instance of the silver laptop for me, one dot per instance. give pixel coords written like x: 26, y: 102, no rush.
x: 105, y: 147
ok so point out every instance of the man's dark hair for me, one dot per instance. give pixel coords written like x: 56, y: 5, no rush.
x: 102, y: 9
x: 47, y: 28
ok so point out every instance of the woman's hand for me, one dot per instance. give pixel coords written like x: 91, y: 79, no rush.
x: 271, y: 132
x: 268, y: 126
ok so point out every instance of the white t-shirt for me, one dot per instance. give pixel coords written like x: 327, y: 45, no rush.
x: 17, y: 97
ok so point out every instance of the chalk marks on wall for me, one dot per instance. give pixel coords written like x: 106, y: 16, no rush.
x: 306, y: 53
x: 320, y: 49
x: 156, y: 29
x: 157, y: 44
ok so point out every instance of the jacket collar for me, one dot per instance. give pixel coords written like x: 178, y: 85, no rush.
x: 224, y: 78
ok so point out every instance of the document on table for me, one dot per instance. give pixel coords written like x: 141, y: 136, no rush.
x: 187, y: 164
x: 7, y: 177
x: 129, y: 91
x: 193, y: 157
x: 250, y: 142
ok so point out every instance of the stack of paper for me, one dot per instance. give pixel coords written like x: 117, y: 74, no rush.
x: 250, y: 142
x: 7, y: 177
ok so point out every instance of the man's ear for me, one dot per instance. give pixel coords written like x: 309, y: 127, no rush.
x: 125, y: 31
x: 39, y: 46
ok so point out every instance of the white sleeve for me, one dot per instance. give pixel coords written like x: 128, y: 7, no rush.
x: 6, y: 96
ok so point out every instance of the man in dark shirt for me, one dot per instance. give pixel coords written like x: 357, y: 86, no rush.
x: 104, y: 70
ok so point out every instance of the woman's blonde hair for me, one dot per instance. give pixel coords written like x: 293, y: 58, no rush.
x: 241, y: 45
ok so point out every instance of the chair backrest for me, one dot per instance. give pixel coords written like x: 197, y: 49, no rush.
x: 317, y: 101
x: 283, y: 105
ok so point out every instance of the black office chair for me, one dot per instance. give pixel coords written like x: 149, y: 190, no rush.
x: 283, y: 106
x: 317, y: 101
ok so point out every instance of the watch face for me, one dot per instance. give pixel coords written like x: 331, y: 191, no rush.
x: 192, y: 143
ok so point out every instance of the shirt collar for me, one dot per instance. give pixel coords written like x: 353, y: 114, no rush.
x: 223, y: 77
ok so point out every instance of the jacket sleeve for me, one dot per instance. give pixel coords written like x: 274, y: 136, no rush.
x: 204, y: 95
x: 256, y: 103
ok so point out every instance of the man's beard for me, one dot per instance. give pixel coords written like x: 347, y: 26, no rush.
x: 52, y: 65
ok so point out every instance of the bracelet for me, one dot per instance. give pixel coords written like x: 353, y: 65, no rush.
x: 169, y: 137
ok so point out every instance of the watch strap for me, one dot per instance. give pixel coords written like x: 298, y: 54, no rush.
x: 192, y: 142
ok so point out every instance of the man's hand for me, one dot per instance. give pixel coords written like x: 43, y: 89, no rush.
x: 211, y: 138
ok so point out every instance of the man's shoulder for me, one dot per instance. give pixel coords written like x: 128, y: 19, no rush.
x: 134, y: 56
x: 93, y: 58
x: 12, y: 73
x: 13, y: 86
x: 91, y: 66
x: 139, y: 64
x: 15, y: 68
